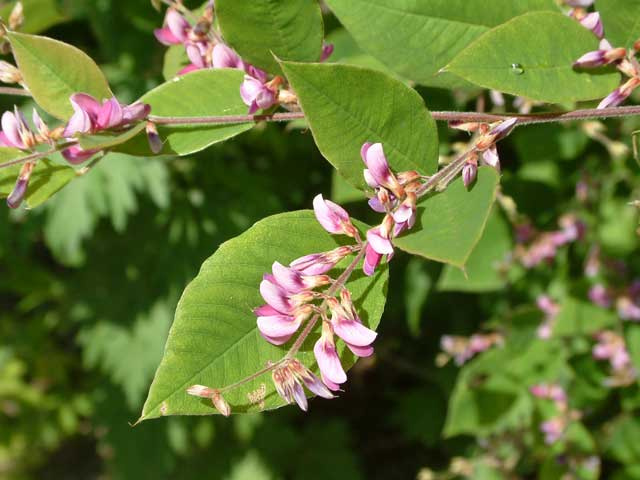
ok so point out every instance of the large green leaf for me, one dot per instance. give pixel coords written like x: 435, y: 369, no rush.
x: 621, y: 20
x: 53, y: 71
x: 201, y: 93
x: 46, y: 179
x: 417, y: 39
x: 175, y: 59
x: 532, y: 56
x: 214, y: 339
x: 482, y: 271
x: 260, y: 29
x: 347, y: 106
x: 451, y: 223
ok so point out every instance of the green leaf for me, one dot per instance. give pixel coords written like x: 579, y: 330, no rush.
x: 632, y: 340
x: 260, y: 29
x: 342, y: 191
x: 175, y: 59
x: 483, y: 267
x: 621, y: 20
x: 46, y: 179
x: 347, y: 106
x: 214, y: 340
x: 532, y: 56
x: 39, y: 15
x: 418, y: 284
x: 451, y: 223
x: 197, y: 94
x: 417, y: 39
x: 109, y: 140
x: 53, y: 71
x: 578, y: 317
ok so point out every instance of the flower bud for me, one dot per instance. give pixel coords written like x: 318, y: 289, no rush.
x: 16, y: 18
x: 9, y: 73
x: 469, y: 174
x: 155, y: 142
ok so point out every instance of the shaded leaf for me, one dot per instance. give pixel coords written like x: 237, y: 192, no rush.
x: 621, y: 19
x: 214, y: 339
x: 532, y: 56
x: 451, y: 223
x: 347, y: 106
x: 39, y: 15
x: 577, y: 317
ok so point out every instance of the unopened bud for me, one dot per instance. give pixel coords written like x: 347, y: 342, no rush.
x: 9, y: 73
x: 155, y: 142
x: 383, y: 196
x: 200, y: 391
x: 287, y: 96
x: 408, y: 177
x: 20, y: 189
x: 221, y: 404
x: 628, y: 68
x: 636, y: 45
x: 387, y: 226
x: 464, y: 126
x: 16, y: 19
x: 469, y: 174
x: 57, y: 133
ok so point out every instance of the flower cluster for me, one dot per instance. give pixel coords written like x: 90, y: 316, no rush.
x: 624, y: 60
x: 206, y: 49
x: 535, y: 248
x: 484, y: 145
x: 550, y: 309
x: 395, y: 195
x: 463, y: 349
x: 555, y: 427
x: 610, y: 346
x: 90, y: 116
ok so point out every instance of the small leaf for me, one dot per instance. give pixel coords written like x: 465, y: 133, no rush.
x: 46, y: 179
x: 483, y: 267
x: 214, y: 340
x: 109, y: 140
x: 621, y: 19
x: 260, y: 29
x: 451, y: 223
x: 532, y: 55
x: 417, y: 39
x: 347, y: 106
x: 53, y: 71
x: 201, y: 93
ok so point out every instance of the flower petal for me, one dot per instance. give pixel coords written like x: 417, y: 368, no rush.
x: 328, y: 361
x: 275, y: 296
x: 278, y: 325
x: 353, y: 332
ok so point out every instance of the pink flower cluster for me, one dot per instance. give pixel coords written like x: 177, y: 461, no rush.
x: 535, y: 248
x: 555, y: 427
x: 610, y: 346
x: 550, y: 310
x: 624, y: 60
x: 463, y: 349
x: 395, y: 196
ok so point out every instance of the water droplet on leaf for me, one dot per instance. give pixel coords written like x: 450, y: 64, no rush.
x: 517, y: 69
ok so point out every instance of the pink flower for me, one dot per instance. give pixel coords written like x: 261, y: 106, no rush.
x: 469, y: 174
x: 605, y: 55
x: 216, y: 398
x: 22, y: 183
x: 371, y: 260
x: 175, y: 31
x: 553, y: 430
x: 319, y: 263
x: 599, y: 295
x: 257, y: 95
x: 15, y: 131
x: 377, y: 172
x: 620, y: 94
x: 348, y: 326
x: 380, y: 243
x: 224, y: 57
x: 327, y: 51
x: 593, y: 22
x: 326, y: 355
x: 332, y: 217
x: 490, y: 157
x: 289, y: 378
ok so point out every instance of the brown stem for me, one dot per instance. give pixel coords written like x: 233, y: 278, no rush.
x: 14, y: 91
x: 36, y: 155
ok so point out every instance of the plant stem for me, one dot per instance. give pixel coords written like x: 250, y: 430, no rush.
x: 15, y: 91
x: 36, y: 155
x: 467, y: 117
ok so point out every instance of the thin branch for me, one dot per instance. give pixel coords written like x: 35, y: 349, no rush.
x: 15, y: 91
x: 523, y: 119
x: 37, y: 155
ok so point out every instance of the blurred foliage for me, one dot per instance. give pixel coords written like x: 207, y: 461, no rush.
x: 89, y: 283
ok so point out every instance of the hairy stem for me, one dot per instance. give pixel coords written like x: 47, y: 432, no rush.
x: 466, y: 117
x: 37, y: 155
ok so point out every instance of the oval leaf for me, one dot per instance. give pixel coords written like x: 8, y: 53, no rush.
x: 201, y: 93
x: 260, y: 29
x: 214, y: 340
x: 451, y: 223
x: 347, y: 106
x: 532, y: 56
x: 621, y: 20
x: 431, y: 33
x: 46, y: 179
x: 53, y: 71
